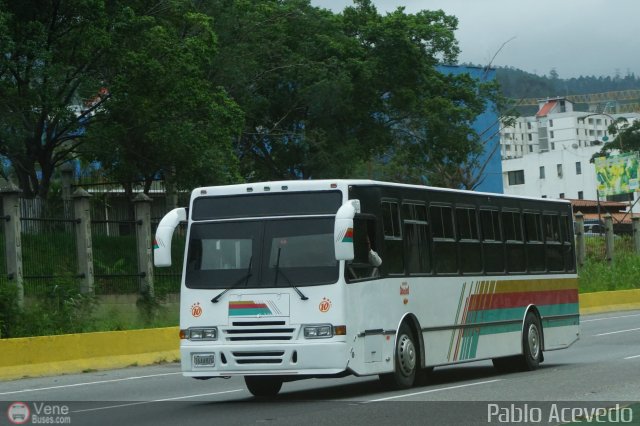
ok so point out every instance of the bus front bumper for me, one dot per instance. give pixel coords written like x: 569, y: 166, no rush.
x: 215, y: 360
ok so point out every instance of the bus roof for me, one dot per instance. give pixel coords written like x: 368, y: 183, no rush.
x: 329, y: 184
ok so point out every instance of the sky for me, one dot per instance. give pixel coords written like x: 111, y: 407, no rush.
x: 576, y: 37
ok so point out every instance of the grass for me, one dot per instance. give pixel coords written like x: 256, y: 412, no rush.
x: 623, y: 273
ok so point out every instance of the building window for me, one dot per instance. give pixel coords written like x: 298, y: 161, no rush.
x: 530, y: 148
x: 553, y: 145
x: 580, y: 195
x: 529, y: 126
x: 544, y: 196
x: 516, y: 177
x: 562, y: 195
x: 551, y: 124
x: 541, y: 172
x: 559, y: 167
x: 551, y: 134
x: 578, y: 168
x: 577, y: 132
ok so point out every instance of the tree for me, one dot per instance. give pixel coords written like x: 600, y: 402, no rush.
x: 164, y: 118
x: 330, y: 94
x: 47, y: 68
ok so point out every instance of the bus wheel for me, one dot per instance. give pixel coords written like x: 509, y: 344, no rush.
x: 531, y: 349
x: 531, y: 343
x: 406, y: 358
x: 263, y: 386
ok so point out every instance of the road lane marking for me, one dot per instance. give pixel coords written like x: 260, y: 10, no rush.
x: 433, y: 390
x: 73, y: 385
x: 616, y: 332
x: 632, y: 357
x: 108, y: 407
x: 607, y: 318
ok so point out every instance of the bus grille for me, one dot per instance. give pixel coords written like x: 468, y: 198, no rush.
x: 258, y: 357
x: 247, y: 331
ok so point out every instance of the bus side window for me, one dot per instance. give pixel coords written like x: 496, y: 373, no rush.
x: 468, y: 239
x: 535, y: 246
x: 492, y: 244
x: 512, y: 226
x: 444, y: 241
x: 364, y: 239
x: 392, y: 255
x: 416, y: 233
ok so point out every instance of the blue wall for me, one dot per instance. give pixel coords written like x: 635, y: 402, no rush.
x: 487, y: 124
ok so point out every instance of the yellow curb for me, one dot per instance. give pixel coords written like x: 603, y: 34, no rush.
x: 73, y: 353
x: 56, y: 368
x: 608, y: 301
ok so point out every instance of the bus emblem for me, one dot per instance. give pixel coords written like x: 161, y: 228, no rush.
x: 325, y: 305
x: 196, y: 310
x: 404, y: 288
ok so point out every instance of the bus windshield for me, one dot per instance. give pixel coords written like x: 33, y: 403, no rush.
x: 261, y: 254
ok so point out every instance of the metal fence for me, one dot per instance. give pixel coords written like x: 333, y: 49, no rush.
x: 115, y: 258
x: 48, y: 246
x: 3, y: 264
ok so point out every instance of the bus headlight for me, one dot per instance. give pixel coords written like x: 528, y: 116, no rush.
x: 318, y: 331
x: 210, y: 333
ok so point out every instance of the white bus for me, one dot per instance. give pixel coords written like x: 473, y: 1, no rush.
x: 278, y: 282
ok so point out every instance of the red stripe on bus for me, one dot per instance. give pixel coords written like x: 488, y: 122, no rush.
x: 515, y: 300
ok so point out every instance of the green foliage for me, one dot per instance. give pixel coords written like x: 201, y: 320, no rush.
x: 9, y: 309
x: 51, y: 52
x: 164, y: 116
x: 621, y: 274
x: 61, y: 310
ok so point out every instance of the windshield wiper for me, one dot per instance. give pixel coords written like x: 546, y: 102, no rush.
x: 278, y: 272
x: 245, y: 278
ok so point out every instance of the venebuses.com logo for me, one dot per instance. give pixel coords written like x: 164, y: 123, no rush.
x: 18, y: 413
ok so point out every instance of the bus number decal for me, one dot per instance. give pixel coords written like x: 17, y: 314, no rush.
x: 196, y: 310
x: 325, y: 305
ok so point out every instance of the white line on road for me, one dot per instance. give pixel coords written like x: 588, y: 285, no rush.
x: 616, y: 332
x: 433, y: 390
x: 632, y: 357
x: 155, y: 400
x: 608, y: 318
x: 89, y: 383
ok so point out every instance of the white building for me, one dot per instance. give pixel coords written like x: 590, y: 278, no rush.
x: 548, y: 155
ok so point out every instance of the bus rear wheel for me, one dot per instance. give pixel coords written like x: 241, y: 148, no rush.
x: 531, y: 349
x: 531, y: 343
x: 405, y: 360
x: 263, y: 387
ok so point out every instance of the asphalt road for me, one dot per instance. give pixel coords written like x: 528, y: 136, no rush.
x: 599, y: 371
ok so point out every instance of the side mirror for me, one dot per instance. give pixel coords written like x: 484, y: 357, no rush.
x: 343, y: 230
x: 164, y: 233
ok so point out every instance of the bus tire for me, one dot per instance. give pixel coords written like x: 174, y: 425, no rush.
x: 531, y: 355
x: 531, y: 343
x: 263, y: 387
x: 405, y: 361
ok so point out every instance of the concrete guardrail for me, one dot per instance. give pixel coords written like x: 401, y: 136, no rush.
x: 75, y: 353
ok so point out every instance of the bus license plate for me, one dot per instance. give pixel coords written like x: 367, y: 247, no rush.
x: 204, y: 360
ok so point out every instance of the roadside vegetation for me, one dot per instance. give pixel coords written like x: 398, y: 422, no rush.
x: 597, y: 274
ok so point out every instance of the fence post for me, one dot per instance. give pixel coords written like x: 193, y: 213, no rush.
x: 143, y: 242
x: 84, y: 247
x: 608, y: 236
x: 636, y: 233
x: 580, y: 242
x: 12, y: 238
